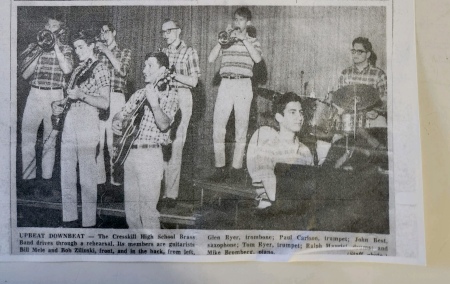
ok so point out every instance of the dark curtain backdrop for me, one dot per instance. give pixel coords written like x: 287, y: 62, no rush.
x: 315, y: 40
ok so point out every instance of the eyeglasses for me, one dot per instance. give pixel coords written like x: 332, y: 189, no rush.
x: 358, y: 51
x: 104, y: 31
x: 168, y: 31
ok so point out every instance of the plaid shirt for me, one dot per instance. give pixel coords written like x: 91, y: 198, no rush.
x: 150, y: 134
x: 99, y: 78
x: 118, y: 82
x: 185, y: 60
x: 370, y: 75
x: 48, y: 73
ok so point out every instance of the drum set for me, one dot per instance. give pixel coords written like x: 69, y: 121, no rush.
x: 342, y: 114
x: 343, y: 111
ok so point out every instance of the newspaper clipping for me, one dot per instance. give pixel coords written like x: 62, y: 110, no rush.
x: 199, y: 131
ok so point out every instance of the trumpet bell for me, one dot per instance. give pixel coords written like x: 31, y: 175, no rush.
x: 46, y: 40
x: 224, y: 38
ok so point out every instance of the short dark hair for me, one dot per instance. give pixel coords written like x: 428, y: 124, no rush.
x: 177, y: 23
x: 60, y: 19
x: 244, y: 12
x: 281, y: 101
x: 109, y: 25
x: 368, y: 47
x: 88, y: 36
x: 56, y: 16
x: 161, y: 58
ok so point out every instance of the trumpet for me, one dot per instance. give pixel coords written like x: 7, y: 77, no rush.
x: 98, y: 39
x: 226, y: 39
x: 45, y: 42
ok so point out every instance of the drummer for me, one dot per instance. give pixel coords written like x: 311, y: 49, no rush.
x: 361, y: 149
x: 364, y: 71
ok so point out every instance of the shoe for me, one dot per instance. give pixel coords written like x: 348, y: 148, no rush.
x: 71, y: 224
x: 263, y: 201
x: 263, y: 204
x: 117, y: 193
x: 220, y: 175
x: 26, y: 188
x: 161, y: 204
x: 89, y: 227
x: 237, y: 175
x: 115, y: 183
x: 45, y: 188
x: 115, y: 180
x: 117, y: 175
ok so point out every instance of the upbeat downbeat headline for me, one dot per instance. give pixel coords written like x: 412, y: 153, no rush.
x: 191, y: 242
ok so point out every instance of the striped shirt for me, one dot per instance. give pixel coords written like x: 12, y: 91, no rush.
x: 266, y: 149
x: 118, y: 82
x: 236, y: 60
x: 370, y: 75
x: 185, y: 60
x: 150, y: 134
x: 48, y: 73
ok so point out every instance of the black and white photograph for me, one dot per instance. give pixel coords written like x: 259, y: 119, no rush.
x: 218, y: 129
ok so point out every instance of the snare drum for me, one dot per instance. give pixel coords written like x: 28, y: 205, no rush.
x: 346, y: 122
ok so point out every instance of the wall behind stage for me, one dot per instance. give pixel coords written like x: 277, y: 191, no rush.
x: 315, y: 40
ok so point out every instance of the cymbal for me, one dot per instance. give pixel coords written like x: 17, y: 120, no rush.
x: 266, y: 93
x: 366, y: 96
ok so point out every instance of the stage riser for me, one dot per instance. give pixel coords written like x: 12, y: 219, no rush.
x: 164, y: 218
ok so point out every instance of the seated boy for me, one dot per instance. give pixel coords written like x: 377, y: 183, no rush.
x: 267, y: 147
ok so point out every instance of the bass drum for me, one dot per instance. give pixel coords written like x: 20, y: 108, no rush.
x: 320, y: 119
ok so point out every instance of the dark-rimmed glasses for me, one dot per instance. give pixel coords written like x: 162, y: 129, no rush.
x: 358, y: 51
x: 168, y: 31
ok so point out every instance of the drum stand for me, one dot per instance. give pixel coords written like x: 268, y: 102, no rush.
x: 347, y: 129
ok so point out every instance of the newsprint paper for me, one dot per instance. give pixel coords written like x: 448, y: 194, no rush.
x: 203, y: 131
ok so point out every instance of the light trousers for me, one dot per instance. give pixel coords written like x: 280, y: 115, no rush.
x: 37, y: 109
x: 237, y: 94
x: 117, y: 101
x: 79, y: 141
x: 142, y: 184
x: 173, y: 166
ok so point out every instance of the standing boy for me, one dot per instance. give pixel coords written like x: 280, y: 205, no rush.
x: 185, y: 60
x: 235, y: 91
x: 118, y: 63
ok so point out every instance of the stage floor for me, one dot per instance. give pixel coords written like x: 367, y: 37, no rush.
x: 221, y: 206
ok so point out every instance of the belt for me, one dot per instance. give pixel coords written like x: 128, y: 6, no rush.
x: 80, y: 104
x: 144, y: 146
x: 235, y: 77
x: 117, y: 91
x: 179, y: 87
x: 46, y: 88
